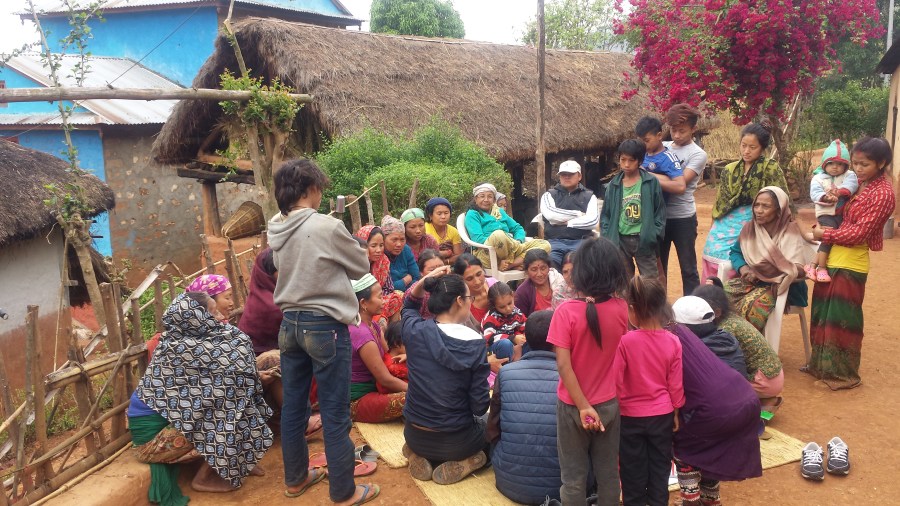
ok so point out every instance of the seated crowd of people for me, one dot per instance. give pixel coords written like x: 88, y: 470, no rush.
x: 582, y: 381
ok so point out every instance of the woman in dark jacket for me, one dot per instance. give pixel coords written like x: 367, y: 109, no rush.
x: 448, y: 388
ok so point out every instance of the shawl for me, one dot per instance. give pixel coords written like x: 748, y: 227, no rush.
x: 427, y: 242
x: 738, y: 189
x: 261, y: 318
x: 775, y: 259
x: 203, y: 380
x: 380, y: 268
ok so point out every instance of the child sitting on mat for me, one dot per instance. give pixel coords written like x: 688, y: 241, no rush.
x: 503, y: 326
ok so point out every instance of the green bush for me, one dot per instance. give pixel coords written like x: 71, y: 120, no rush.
x: 446, y: 164
x: 847, y: 114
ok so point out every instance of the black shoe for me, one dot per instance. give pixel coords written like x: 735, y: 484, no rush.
x: 811, y: 463
x: 838, y: 456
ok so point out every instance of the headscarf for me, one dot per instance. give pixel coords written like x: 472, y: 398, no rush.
x: 203, y: 380
x: 500, y: 196
x: 381, y: 268
x: 484, y: 187
x: 362, y: 283
x: 437, y: 201
x: 391, y: 225
x: 210, y: 284
x: 774, y: 259
x: 412, y: 214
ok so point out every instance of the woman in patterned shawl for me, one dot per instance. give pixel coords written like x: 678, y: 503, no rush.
x: 380, y: 267
x: 202, y: 393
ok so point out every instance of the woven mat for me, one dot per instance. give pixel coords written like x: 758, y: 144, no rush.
x: 387, y: 439
x: 478, y: 489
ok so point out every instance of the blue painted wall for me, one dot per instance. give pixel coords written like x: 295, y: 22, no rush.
x: 90, y: 156
x: 320, y: 6
x: 134, y: 34
x: 16, y: 80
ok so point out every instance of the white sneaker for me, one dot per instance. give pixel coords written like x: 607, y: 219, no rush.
x: 838, y: 456
x: 811, y: 463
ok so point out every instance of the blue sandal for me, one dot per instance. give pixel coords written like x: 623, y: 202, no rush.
x: 320, y: 475
x: 375, y: 489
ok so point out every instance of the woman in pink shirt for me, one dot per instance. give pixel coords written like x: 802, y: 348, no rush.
x: 585, y: 334
x: 648, y: 377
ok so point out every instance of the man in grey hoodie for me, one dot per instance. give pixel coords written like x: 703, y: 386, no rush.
x: 316, y: 257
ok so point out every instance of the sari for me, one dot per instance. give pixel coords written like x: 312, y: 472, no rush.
x: 381, y: 269
x: 203, y: 380
x: 733, y: 207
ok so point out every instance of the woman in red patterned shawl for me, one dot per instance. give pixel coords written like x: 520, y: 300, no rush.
x: 380, y: 267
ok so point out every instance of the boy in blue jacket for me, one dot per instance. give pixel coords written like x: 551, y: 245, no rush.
x: 634, y: 212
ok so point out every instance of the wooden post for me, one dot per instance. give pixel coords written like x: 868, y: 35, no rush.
x: 384, y: 199
x: 242, y: 279
x: 83, y: 398
x: 207, y: 256
x: 212, y: 223
x: 114, y: 342
x: 62, y: 93
x: 6, y: 409
x: 232, y: 276
x: 36, y: 392
x: 355, y: 218
x: 137, y: 336
x: 412, y: 194
x: 369, y: 210
x: 540, y: 151
x: 264, y: 239
x: 123, y: 333
x: 158, y: 305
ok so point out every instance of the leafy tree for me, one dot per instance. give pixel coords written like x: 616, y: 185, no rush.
x: 576, y: 24
x: 753, y: 57
x: 426, y: 18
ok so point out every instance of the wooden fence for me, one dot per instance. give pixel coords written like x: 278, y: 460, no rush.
x: 37, y: 469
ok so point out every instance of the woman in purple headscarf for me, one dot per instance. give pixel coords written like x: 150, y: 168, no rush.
x: 718, y: 439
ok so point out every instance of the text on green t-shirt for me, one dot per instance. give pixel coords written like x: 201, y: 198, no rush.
x: 630, y: 219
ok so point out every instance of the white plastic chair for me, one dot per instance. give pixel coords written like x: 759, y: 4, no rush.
x: 494, y: 269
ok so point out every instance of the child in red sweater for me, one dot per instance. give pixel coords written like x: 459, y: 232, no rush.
x: 504, y: 325
x: 395, y: 357
x: 649, y: 384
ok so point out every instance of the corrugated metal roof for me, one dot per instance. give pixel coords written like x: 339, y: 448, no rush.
x: 47, y: 118
x: 103, y: 72
x: 55, y: 6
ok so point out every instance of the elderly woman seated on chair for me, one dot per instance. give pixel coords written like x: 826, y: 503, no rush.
x: 769, y: 257
x: 488, y: 224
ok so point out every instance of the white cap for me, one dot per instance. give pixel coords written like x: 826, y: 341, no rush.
x: 692, y: 310
x: 570, y: 167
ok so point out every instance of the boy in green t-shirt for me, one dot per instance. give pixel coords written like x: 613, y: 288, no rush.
x: 634, y: 212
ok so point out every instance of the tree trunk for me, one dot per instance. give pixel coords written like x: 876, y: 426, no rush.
x: 79, y: 235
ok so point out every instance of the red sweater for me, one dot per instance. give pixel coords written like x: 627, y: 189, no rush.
x: 864, y: 216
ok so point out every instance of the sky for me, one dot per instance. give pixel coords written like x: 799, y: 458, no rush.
x: 499, y: 21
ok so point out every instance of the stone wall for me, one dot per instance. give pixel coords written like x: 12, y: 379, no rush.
x: 158, y: 215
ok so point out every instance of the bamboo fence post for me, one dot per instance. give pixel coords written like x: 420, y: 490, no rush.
x: 355, y: 218
x: 384, y: 199
x: 6, y: 409
x: 232, y: 275
x: 82, y: 393
x: 170, y: 280
x: 237, y: 280
x: 369, y: 210
x: 412, y: 194
x: 114, y: 342
x: 137, y: 336
x: 35, y: 391
x: 123, y: 333
x: 242, y: 279
x: 158, y: 304
x: 264, y: 240
x: 207, y: 255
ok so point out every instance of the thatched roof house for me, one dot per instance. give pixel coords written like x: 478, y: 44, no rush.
x: 23, y: 213
x: 389, y: 82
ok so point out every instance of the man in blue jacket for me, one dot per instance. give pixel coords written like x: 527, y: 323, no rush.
x: 521, y: 426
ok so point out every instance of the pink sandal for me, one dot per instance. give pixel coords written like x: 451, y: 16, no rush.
x: 810, y: 270
x: 822, y: 275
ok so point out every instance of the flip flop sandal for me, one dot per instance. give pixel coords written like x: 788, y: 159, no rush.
x: 317, y: 460
x: 365, y: 453
x: 320, y: 475
x: 318, y: 429
x: 364, y: 468
x: 370, y: 492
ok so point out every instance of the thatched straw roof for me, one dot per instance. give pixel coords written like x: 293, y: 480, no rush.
x: 398, y: 83
x: 26, y: 172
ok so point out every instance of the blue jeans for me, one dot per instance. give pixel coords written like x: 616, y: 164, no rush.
x: 503, y: 348
x: 559, y: 248
x: 313, y: 344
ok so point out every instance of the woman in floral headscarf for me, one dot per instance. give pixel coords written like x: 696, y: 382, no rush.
x: 380, y: 267
x: 404, y: 271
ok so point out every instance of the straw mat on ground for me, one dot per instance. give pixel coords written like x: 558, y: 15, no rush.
x: 386, y: 439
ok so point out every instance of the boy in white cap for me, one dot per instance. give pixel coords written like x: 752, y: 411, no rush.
x: 570, y: 213
x: 696, y: 314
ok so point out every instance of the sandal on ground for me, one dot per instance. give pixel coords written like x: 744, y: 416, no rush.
x: 320, y: 475
x: 317, y: 426
x: 810, y: 270
x: 364, y: 468
x: 455, y: 471
x: 365, y: 453
x: 369, y: 492
x: 822, y: 275
x: 773, y: 408
x: 317, y: 460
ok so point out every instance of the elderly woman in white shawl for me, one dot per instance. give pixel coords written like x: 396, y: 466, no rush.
x: 488, y: 224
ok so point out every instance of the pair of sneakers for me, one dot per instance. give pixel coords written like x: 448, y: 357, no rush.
x: 838, y: 460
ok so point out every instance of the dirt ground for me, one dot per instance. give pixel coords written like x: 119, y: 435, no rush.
x: 866, y: 418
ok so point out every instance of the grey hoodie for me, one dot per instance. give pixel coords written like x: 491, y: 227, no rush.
x: 316, y: 258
